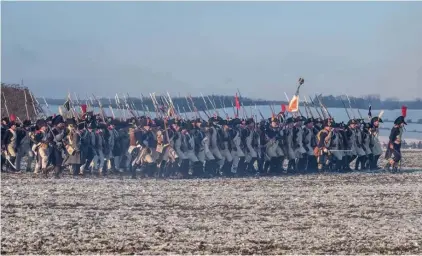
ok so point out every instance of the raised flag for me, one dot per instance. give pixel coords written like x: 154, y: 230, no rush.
x: 294, y: 104
x: 84, y: 108
x: 237, y: 102
x: 66, y: 105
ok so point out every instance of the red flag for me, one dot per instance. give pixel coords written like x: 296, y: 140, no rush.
x: 84, y: 107
x: 237, y: 102
x: 294, y: 104
x: 403, y: 110
x: 12, y: 117
x: 283, y: 108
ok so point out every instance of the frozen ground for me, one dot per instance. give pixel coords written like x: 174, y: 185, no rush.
x: 308, y: 214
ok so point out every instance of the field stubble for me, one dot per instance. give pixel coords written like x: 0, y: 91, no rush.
x: 306, y: 214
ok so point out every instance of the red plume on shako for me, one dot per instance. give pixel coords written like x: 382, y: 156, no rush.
x: 403, y: 111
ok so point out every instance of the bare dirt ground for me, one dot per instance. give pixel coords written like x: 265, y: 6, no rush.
x: 355, y: 213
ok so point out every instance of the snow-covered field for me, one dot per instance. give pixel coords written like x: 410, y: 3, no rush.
x: 302, y: 214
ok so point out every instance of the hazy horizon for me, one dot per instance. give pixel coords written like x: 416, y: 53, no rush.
x: 262, y: 48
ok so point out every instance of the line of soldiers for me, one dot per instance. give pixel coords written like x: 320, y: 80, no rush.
x: 195, y: 148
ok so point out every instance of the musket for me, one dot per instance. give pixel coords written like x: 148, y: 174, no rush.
x: 306, y: 110
x: 38, y: 105
x: 149, y: 113
x: 157, y: 105
x: 128, y: 106
x: 111, y: 108
x: 46, y: 104
x: 142, y: 104
x: 5, y: 104
x: 132, y: 105
x: 316, y: 109
x: 224, y: 107
x: 101, y: 108
x: 187, y: 101
x: 323, y: 106
x: 125, y: 105
x: 345, y: 108
x: 172, y: 104
x: 26, y: 105
x: 323, y: 116
x: 307, y: 107
x: 360, y: 115
x: 234, y: 111
x: 212, y: 104
x: 260, y: 113
x: 205, y: 102
x: 184, y: 110
x: 351, y: 109
x: 122, y: 112
x: 33, y: 104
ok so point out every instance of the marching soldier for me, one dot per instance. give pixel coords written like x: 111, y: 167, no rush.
x: 73, y: 147
x: 376, y: 148
x: 25, y: 146
x: 393, y: 153
x: 322, y: 152
x: 10, y: 146
x: 309, y: 143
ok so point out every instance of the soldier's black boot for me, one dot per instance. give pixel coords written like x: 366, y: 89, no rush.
x: 57, y: 171
x: 374, y: 162
x: 132, y: 170
x: 291, y: 166
x: 265, y: 168
x: 364, y: 164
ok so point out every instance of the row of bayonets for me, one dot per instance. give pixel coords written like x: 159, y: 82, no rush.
x: 164, y: 107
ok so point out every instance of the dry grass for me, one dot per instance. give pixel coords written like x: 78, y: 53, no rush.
x: 312, y: 214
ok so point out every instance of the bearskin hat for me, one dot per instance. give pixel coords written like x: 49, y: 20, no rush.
x: 235, y: 121
x: 300, y: 119
x: 351, y: 121
x: 289, y: 120
x: 5, y: 119
x: 308, y: 120
x: 250, y: 121
x: 26, y: 123
x: 57, y: 120
x: 71, y: 121
x: 40, y: 123
x: 92, y: 124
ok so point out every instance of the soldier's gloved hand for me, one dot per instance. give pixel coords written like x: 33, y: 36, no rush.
x: 325, y: 150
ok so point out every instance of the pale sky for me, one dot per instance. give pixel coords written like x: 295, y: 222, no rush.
x: 261, y: 48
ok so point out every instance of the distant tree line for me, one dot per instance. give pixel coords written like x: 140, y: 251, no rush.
x: 219, y: 101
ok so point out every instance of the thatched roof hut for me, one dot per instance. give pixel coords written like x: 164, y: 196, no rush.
x: 13, y: 102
